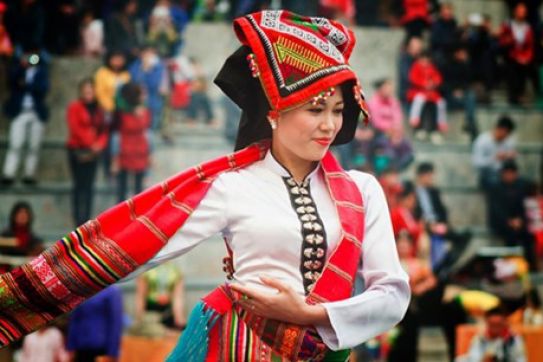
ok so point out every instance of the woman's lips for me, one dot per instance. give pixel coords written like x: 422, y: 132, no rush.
x: 323, y: 141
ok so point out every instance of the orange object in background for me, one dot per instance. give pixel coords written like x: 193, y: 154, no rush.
x: 145, y: 349
x: 532, y: 336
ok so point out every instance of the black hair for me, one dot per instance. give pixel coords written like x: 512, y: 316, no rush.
x: 379, y: 82
x: 509, y: 165
x: 407, y: 189
x: 424, y: 168
x: 498, y: 310
x: 113, y: 53
x: 505, y: 122
x: 131, y: 93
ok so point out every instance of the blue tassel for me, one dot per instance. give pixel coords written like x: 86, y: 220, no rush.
x: 193, y: 343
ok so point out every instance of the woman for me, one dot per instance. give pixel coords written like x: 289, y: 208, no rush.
x: 18, y: 238
x: 86, y: 140
x: 299, y: 228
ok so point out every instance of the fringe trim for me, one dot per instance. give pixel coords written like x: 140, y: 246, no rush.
x: 193, y: 343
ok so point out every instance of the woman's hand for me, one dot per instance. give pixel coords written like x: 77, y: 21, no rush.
x: 285, y: 305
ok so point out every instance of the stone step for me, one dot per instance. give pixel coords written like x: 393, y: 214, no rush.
x: 452, y: 161
x: 52, y: 204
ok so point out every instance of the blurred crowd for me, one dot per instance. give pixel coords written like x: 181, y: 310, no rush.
x: 121, y: 111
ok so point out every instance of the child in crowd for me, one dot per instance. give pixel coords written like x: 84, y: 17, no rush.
x: 132, y: 151
x: 425, y: 81
x: 385, y: 108
x: 92, y: 35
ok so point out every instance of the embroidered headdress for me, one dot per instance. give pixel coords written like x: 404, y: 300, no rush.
x: 287, y: 60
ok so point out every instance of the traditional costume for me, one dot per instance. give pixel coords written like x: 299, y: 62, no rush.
x: 315, y: 236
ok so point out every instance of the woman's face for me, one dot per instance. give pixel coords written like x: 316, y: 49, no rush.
x: 22, y: 217
x: 306, y: 132
x: 117, y: 62
x: 87, y: 93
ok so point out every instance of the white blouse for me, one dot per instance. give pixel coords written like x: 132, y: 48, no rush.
x: 252, y: 209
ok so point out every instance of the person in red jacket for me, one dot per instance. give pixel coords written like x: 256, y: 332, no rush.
x: 518, y: 43
x: 132, y: 156
x: 415, y: 18
x: 404, y: 220
x: 425, y: 80
x: 87, y: 138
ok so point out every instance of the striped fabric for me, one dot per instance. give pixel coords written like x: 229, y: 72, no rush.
x: 102, y: 251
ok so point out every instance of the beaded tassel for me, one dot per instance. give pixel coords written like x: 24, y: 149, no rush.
x: 252, y: 65
x: 360, y: 99
x: 323, y: 96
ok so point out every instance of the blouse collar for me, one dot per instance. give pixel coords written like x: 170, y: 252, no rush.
x: 271, y: 163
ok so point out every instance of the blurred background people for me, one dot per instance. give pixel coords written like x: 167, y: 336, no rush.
x: 96, y: 327
x: 28, y: 81
x: 88, y: 136
x: 44, y: 345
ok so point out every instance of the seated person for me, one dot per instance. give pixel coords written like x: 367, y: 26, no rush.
x: 498, y: 342
x: 19, y: 239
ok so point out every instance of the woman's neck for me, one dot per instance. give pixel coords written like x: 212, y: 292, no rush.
x: 297, y: 167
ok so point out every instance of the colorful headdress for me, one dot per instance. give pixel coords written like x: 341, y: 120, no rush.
x: 287, y: 60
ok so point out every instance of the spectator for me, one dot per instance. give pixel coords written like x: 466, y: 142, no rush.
x: 491, y: 149
x: 444, y: 34
x: 482, y: 46
x: 28, y: 82
x: 340, y: 10
x: 150, y: 72
x: 182, y: 75
x: 407, y: 58
x: 425, y: 80
x: 199, y: 100
x: 96, y: 326
x: 432, y: 211
x: 62, y: 26
x: 87, y: 139
x: 518, y: 42
x: 109, y: 78
x: 458, y: 89
x: 532, y: 313
x: 362, y: 151
x: 44, y: 345
x: 533, y: 205
x: 395, y: 150
x: 307, y: 7
x: 392, y: 187
x: 507, y: 216
x: 120, y: 30
x: 404, y: 220
x: 6, y: 47
x: 160, y: 293
x: 421, y: 280
x: 133, y: 156
x: 385, y: 109
x: 25, y: 24
x: 162, y: 33
x: 92, y: 35
x: 210, y: 10
x: 416, y: 17
x: 23, y: 241
x: 498, y: 342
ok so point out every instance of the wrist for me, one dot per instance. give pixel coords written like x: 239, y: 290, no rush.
x: 315, y: 315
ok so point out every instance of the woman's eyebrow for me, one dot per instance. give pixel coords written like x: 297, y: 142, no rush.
x: 339, y: 103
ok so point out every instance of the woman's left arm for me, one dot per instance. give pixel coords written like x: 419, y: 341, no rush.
x: 386, y: 296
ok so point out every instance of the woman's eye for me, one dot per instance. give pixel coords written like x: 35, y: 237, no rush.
x: 315, y: 110
x: 338, y: 111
